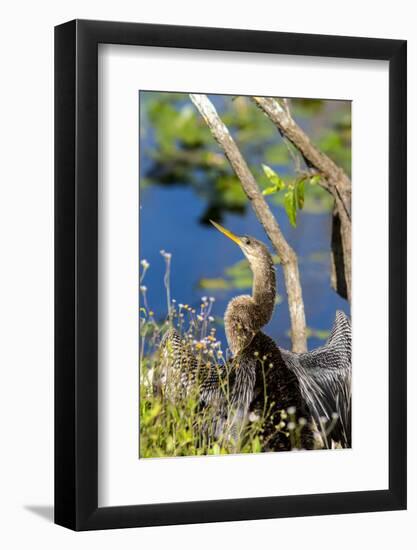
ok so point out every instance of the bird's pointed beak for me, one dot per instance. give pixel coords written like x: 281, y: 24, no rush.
x: 226, y: 232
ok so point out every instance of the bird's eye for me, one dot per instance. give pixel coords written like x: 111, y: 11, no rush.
x: 247, y: 241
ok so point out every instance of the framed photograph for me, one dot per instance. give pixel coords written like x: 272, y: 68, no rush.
x: 230, y: 253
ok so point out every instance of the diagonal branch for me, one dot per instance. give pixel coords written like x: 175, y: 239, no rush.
x: 333, y: 178
x: 286, y: 253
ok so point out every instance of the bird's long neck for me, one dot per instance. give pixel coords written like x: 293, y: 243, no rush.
x: 246, y: 315
x: 264, y: 289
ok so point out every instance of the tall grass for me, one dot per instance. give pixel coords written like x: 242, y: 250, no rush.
x: 173, y: 422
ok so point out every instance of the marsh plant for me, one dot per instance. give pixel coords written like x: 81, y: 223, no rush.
x: 173, y: 422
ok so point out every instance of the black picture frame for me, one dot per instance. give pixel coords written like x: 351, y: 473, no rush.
x: 76, y: 271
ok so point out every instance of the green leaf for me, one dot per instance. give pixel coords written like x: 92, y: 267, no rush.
x: 256, y: 445
x: 299, y: 192
x: 290, y: 205
x: 273, y: 178
x: 270, y: 190
x: 315, y: 179
x: 216, y: 449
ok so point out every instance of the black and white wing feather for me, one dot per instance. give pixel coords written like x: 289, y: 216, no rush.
x: 325, y: 377
x: 182, y: 371
x: 225, y: 389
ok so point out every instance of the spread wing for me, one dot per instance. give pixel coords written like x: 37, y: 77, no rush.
x: 224, y: 389
x: 183, y: 371
x: 325, y: 377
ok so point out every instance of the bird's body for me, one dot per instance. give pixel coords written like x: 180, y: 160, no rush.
x: 276, y: 388
x: 261, y: 378
x: 267, y: 382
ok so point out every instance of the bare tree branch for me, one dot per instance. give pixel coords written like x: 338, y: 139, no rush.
x: 333, y: 178
x: 285, y: 252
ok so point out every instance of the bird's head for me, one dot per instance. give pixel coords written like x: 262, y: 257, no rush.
x: 255, y: 251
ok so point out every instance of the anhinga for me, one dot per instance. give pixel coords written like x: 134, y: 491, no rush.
x: 314, y: 385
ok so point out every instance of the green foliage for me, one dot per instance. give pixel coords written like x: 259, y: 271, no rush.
x: 290, y: 203
x: 295, y: 192
x: 315, y: 179
x: 182, y: 151
x: 310, y: 198
x: 317, y: 199
x: 299, y: 193
x: 177, y: 426
x: 294, y: 196
x: 276, y: 181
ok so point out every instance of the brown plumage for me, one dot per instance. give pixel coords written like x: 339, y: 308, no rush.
x: 246, y: 315
x: 258, y: 364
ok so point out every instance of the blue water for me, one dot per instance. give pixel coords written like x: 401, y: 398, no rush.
x: 169, y: 220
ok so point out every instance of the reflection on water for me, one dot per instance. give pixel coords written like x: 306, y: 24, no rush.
x: 169, y: 220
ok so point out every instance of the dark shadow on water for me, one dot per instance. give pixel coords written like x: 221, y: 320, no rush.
x: 45, y: 512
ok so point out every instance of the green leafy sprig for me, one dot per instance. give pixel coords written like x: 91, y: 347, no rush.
x: 294, y: 191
